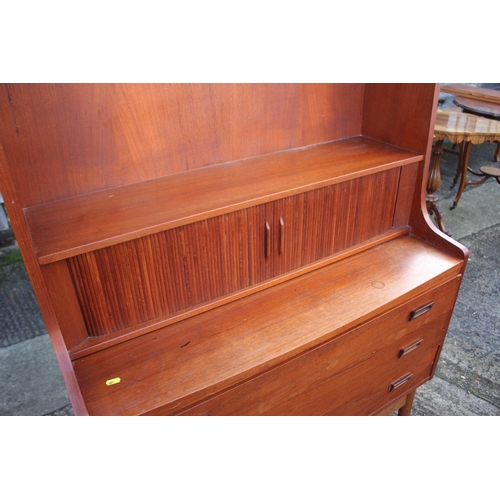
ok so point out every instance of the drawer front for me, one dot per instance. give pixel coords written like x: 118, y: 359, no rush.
x: 351, y: 375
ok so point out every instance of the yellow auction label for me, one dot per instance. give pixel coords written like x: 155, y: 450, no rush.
x: 113, y: 381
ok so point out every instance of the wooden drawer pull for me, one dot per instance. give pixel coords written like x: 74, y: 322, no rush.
x: 409, y: 348
x: 420, y: 311
x: 400, y: 381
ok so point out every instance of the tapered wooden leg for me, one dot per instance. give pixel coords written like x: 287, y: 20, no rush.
x: 405, y: 411
x: 458, y: 171
x: 464, y: 162
x: 434, y: 179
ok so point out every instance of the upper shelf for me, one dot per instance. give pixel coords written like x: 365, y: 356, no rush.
x: 76, y: 225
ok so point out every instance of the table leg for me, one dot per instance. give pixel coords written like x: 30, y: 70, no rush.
x: 433, y: 183
x: 458, y: 172
x: 464, y: 162
x: 405, y: 410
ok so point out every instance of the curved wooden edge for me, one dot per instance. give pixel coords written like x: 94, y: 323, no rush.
x: 457, y: 138
x: 420, y: 220
x: 424, y: 229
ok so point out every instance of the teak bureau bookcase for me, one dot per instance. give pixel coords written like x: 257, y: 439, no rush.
x: 231, y: 249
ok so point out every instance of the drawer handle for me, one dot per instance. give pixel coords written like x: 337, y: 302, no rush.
x: 420, y: 311
x: 409, y: 348
x: 400, y: 381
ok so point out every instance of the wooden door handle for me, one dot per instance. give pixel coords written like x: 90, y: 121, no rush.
x: 282, y: 236
x: 400, y: 381
x: 267, y: 238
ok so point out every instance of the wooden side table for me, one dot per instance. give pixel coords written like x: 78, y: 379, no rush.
x: 463, y: 129
x: 481, y: 108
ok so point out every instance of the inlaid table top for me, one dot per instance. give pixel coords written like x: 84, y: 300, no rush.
x: 458, y: 127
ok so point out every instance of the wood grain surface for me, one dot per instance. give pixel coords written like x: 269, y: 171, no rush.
x: 77, y: 225
x: 157, y: 276
x: 213, y: 351
x: 195, y: 248
x: 458, y: 127
x: 71, y: 139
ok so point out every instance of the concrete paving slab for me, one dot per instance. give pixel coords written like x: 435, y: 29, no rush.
x: 476, y: 210
x: 471, y: 356
x: 442, y: 398
x: 31, y: 382
x: 479, y: 206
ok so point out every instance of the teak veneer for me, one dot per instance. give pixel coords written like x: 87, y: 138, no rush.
x: 194, y: 359
x: 77, y: 225
x: 231, y: 249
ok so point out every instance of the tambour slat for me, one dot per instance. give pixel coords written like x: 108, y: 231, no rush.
x: 159, y: 275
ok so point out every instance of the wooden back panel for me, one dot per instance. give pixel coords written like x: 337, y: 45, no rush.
x: 66, y: 140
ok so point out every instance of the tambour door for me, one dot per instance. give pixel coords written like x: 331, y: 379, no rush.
x: 157, y: 276
x: 313, y: 225
x: 121, y: 287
